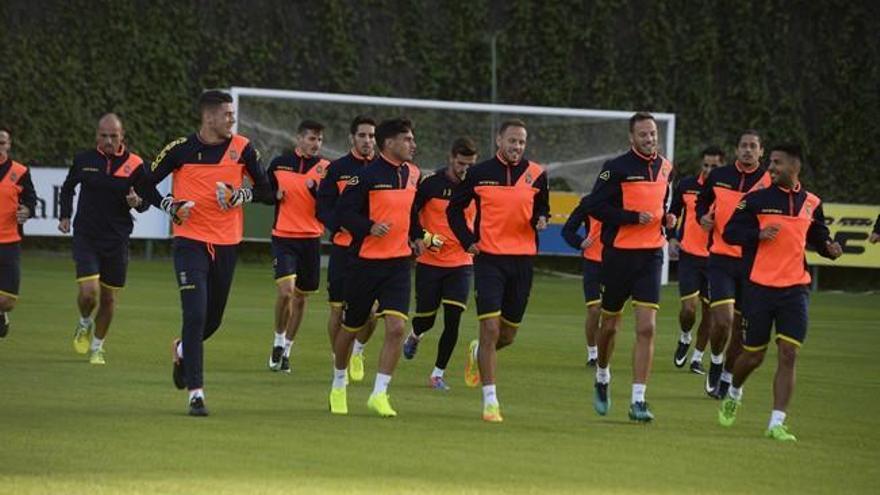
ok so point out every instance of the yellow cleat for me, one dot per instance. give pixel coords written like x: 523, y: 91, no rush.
x: 97, y: 356
x: 492, y: 413
x: 780, y: 432
x: 338, y: 401
x: 356, y: 367
x: 381, y: 404
x: 82, y: 337
x: 471, y: 367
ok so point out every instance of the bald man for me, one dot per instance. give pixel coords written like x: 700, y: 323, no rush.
x: 101, y: 229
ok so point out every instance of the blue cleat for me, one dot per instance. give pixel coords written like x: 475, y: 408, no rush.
x: 410, y: 346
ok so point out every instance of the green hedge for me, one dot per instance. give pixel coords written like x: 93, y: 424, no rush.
x: 804, y: 70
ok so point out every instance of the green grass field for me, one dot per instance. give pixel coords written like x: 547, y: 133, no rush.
x: 68, y: 427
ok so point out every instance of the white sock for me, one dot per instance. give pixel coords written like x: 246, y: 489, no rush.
x: 726, y: 377
x: 85, y: 321
x: 685, y: 337
x: 717, y: 358
x: 735, y: 393
x: 180, y: 349
x: 339, y: 377
x: 437, y: 372
x: 603, y: 375
x: 197, y: 393
x: 358, y: 348
x: 96, y: 344
x: 697, y: 356
x: 490, y: 398
x: 288, y: 345
x: 279, y: 339
x: 638, y: 392
x: 381, y: 384
x: 592, y: 352
x: 776, y: 418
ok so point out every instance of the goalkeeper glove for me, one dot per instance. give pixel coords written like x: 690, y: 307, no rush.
x: 433, y: 242
x: 230, y: 197
x: 172, y: 206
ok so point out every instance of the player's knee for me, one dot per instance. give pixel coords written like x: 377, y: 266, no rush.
x: 108, y: 298
x: 506, y: 338
x: 394, y: 328
x: 594, y: 311
x: 688, y: 313
x: 299, y: 299
x: 645, y: 330
x: 753, y: 358
x: 286, y: 291
x: 88, y: 293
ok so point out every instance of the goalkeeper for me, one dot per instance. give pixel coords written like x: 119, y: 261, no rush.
x: 208, y: 170
x: 444, y: 269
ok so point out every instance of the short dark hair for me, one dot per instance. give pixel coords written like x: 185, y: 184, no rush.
x: 713, y: 150
x: 310, y: 125
x: 358, y: 121
x: 511, y: 123
x: 791, y: 149
x: 213, y: 98
x: 750, y: 132
x: 464, y: 146
x: 6, y: 129
x: 392, y: 128
x: 638, y: 117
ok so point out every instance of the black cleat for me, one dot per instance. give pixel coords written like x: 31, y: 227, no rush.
x: 721, y: 390
x: 177, y: 371
x: 591, y: 363
x: 275, y: 358
x: 285, y: 364
x: 697, y: 368
x: 713, y: 378
x: 681, y: 353
x: 4, y: 324
x: 197, y: 407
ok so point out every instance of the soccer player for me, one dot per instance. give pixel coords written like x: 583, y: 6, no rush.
x: 106, y: 175
x: 296, y: 235
x: 719, y: 195
x: 376, y: 208
x: 443, y: 271
x: 591, y: 246
x: 773, y: 226
x: 629, y: 198
x: 513, y: 203
x: 205, y: 205
x: 692, y: 244
x: 18, y: 200
x: 362, y: 135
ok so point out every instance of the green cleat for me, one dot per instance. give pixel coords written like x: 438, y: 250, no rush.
x: 492, y: 413
x: 381, y: 404
x: 601, y: 399
x: 97, y: 356
x: 356, y: 367
x: 338, y: 401
x: 82, y: 337
x: 780, y: 432
x: 639, y: 412
x: 727, y: 413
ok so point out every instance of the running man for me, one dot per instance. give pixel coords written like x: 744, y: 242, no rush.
x: 692, y: 244
x: 376, y: 208
x: 444, y: 270
x: 512, y: 198
x: 362, y: 135
x: 296, y: 236
x: 773, y: 226
x: 629, y: 198
x: 106, y: 176
x: 719, y: 195
x: 18, y: 200
x: 208, y: 169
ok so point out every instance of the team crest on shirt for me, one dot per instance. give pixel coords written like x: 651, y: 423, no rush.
x: 233, y: 154
x: 321, y: 171
x: 13, y: 176
x: 529, y: 178
x: 126, y: 168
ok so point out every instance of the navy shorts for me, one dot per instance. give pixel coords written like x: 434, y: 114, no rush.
x: 106, y: 261
x: 629, y: 273
x: 502, y: 285
x: 10, y: 269
x: 337, y: 272
x: 298, y: 259
x: 436, y: 285
x: 693, y: 276
x: 726, y: 276
x: 764, y: 306
x: 592, y: 292
x: 386, y: 281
